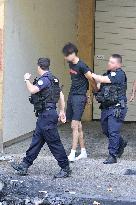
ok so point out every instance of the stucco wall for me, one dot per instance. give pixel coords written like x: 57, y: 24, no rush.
x: 33, y: 28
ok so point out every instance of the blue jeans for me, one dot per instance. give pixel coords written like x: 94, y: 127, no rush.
x: 111, y: 127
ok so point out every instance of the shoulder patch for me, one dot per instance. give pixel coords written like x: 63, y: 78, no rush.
x: 56, y: 80
x: 40, y: 82
x: 113, y: 74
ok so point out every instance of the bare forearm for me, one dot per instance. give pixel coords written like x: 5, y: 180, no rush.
x: 134, y: 88
x: 101, y: 79
x: 97, y: 78
x: 62, y: 102
x: 31, y: 88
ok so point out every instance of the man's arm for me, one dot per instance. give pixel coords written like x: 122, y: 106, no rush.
x: 62, y: 116
x: 31, y: 88
x: 62, y: 102
x: 133, y: 91
x: 93, y: 82
x: 101, y: 78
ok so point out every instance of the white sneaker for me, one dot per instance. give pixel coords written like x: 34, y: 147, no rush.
x: 71, y: 157
x: 82, y: 156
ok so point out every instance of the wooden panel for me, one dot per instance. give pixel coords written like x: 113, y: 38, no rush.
x: 115, y: 32
x: 85, y: 37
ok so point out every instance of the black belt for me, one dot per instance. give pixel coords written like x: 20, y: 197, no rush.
x: 104, y: 106
x: 122, y: 104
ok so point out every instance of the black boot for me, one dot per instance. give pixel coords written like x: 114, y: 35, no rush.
x: 110, y: 160
x: 121, y: 149
x: 66, y: 172
x: 21, y: 168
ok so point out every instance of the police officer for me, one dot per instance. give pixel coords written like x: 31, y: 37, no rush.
x: 45, y: 93
x: 112, y: 99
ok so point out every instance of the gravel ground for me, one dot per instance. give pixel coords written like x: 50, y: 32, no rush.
x: 90, y: 178
x: 96, y: 142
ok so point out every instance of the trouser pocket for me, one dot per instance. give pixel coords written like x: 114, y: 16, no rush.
x: 119, y: 113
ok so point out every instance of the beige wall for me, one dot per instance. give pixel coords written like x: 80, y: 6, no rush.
x: 33, y: 28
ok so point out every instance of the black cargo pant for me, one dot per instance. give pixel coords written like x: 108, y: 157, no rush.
x: 46, y: 131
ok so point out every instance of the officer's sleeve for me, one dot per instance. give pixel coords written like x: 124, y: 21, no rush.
x: 43, y: 83
x: 116, y: 77
x: 84, y: 68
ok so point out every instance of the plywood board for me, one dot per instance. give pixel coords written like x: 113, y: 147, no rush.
x: 85, y: 37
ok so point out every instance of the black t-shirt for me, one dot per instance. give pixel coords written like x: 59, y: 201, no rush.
x: 80, y: 83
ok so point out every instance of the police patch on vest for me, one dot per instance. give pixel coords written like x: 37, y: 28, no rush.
x: 40, y: 82
x: 113, y: 74
x: 56, y: 80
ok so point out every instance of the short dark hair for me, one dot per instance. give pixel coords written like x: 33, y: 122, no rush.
x: 69, y: 48
x: 44, y: 63
x: 117, y: 56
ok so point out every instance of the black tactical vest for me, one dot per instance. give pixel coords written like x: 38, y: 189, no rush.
x: 50, y: 95
x: 111, y: 94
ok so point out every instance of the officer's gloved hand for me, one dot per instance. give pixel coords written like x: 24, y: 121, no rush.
x: 27, y: 76
x: 62, y: 117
